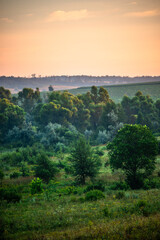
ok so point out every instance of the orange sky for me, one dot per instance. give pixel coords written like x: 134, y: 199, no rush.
x: 75, y: 37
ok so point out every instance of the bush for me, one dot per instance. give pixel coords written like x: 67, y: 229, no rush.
x: 151, y: 183
x: 1, y: 175
x: 99, y: 186
x: 14, y: 175
x: 143, y: 208
x: 68, y: 190
x: 10, y: 195
x: 45, y: 168
x: 36, y: 186
x: 119, y: 186
x: 99, y: 152
x: 94, y: 195
x: 106, y: 212
x: 120, y: 195
x: 68, y: 169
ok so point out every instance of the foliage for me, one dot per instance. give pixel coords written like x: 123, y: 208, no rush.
x: 150, y: 183
x: 36, y: 186
x: 10, y: 116
x: 119, y: 186
x: 134, y: 150
x: 10, y: 195
x: 94, y: 195
x: 98, y: 185
x: 120, y: 195
x: 45, y: 168
x: 16, y: 157
x: 14, y: 175
x: 141, y: 110
x: 28, y: 97
x: 99, y: 151
x: 24, y: 169
x: 84, y: 162
x: 5, y: 93
x: 106, y: 212
x: 24, y: 136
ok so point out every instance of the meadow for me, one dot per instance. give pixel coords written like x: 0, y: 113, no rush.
x: 63, y: 210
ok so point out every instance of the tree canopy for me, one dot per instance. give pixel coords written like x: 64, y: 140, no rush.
x: 134, y: 150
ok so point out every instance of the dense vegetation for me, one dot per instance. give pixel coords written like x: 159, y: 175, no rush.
x: 79, y: 167
x: 117, y: 92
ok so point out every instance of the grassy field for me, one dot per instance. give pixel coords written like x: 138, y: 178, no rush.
x: 117, y: 92
x: 62, y: 211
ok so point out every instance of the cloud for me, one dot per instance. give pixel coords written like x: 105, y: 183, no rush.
x: 62, y: 16
x: 6, y: 20
x: 150, y: 13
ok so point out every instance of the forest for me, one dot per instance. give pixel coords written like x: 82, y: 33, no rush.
x: 79, y: 166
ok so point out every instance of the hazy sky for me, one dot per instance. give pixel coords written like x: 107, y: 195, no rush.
x: 75, y: 37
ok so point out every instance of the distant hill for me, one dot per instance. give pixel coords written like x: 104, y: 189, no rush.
x: 116, y: 92
x: 16, y: 84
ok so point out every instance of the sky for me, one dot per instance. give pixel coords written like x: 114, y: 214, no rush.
x: 80, y: 37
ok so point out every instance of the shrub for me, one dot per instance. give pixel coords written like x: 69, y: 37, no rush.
x: 24, y: 169
x: 99, y: 152
x: 120, y: 195
x: 94, y: 195
x: 68, y: 169
x: 68, y: 190
x: 45, y: 168
x: 36, y: 186
x: 99, y: 186
x: 119, y: 186
x: 14, y: 175
x: 1, y: 175
x: 10, y: 195
x: 143, y: 208
x: 106, y: 212
x: 151, y: 183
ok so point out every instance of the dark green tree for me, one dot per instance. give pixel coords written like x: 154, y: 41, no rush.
x: 28, y: 98
x: 45, y: 168
x: 85, y: 163
x: 1, y: 176
x: 134, y: 150
x: 94, y: 94
x: 103, y: 95
x: 10, y: 116
x: 5, y: 93
x: 50, y: 88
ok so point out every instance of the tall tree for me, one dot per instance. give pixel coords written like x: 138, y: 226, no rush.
x: 134, y: 150
x: 45, y: 169
x: 5, y: 93
x: 84, y: 162
x: 10, y: 116
x: 28, y: 97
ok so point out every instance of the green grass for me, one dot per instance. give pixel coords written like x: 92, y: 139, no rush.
x: 117, y: 92
x: 62, y: 211
x: 37, y: 215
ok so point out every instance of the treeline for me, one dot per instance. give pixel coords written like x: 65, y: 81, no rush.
x: 56, y: 120
x: 18, y: 83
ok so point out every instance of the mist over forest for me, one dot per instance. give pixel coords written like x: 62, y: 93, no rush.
x: 16, y: 84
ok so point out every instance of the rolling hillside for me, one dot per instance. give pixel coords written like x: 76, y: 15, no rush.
x: 117, y: 92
